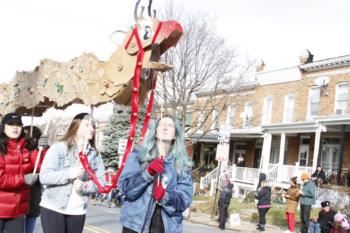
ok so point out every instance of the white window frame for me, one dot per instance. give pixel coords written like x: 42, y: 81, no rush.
x: 337, y: 109
x: 214, y: 119
x: 311, y: 89
x: 248, y: 115
x: 289, y: 106
x: 267, y: 110
x: 230, y: 115
x: 200, y: 121
x: 307, y: 147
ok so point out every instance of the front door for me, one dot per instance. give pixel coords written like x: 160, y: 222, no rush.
x: 240, y: 149
x: 330, y: 157
x: 303, y: 154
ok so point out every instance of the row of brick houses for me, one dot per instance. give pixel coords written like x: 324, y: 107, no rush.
x: 286, y: 122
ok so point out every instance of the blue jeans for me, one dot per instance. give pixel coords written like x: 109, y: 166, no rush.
x: 315, y: 227
x: 30, y: 224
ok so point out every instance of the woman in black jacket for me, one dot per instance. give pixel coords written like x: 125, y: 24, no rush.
x: 224, y: 202
x: 263, y: 196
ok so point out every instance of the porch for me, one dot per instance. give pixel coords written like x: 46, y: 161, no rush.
x: 246, y: 178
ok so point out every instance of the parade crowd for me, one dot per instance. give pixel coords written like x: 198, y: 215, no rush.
x: 327, y: 221
x: 55, y: 181
x: 154, y: 189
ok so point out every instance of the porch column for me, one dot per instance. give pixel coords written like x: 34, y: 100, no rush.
x: 281, y: 156
x: 282, y: 149
x: 266, y: 150
x: 201, y: 155
x: 316, y: 147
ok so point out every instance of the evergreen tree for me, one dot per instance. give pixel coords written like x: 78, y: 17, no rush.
x: 118, y: 128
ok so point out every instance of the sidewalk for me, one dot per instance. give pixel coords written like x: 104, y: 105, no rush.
x: 247, y: 227
x: 203, y: 218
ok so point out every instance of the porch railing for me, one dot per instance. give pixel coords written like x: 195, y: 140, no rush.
x: 206, y: 181
x: 245, y: 174
x: 249, y: 176
x: 283, y: 173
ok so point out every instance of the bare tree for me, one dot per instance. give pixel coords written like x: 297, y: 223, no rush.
x: 202, y: 64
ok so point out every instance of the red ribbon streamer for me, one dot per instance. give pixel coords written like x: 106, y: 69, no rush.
x: 134, y: 114
x: 92, y: 175
x: 135, y: 98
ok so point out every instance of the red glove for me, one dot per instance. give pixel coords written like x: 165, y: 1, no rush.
x: 156, y: 166
x: 159, y: 192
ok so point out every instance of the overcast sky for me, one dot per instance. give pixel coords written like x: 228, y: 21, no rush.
x: 273, y: 30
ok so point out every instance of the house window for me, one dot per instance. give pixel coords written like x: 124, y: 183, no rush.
x: 314, y: 101
x: 230, y: 115
x: 304, y: 150
x: 188, y: 120
x: 267, y: 110
x: 247, y: 115
x: 200, y: 120
x: 214, y: 119
x: 288, y: 112
x: 341, y: 98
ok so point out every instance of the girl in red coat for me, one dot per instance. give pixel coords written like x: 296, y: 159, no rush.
x: 17, y: 158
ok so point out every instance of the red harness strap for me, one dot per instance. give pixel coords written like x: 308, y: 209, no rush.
x: 92, y: 175
x: 134, y: 114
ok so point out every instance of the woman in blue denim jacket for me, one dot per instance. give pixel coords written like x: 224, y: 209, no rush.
x: 156, y: 182
x: 66, y: 185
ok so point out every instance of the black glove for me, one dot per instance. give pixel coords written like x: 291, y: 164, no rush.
x: 43, y: 142
x: 30, y: 179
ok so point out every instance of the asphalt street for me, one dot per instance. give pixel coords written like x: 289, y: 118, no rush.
x: 101, y: 219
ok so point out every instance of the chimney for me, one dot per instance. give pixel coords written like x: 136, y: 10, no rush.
x: 260, y: 66
x: 306, y: 57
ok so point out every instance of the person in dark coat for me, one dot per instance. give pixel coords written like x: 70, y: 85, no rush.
x: 319, y: 177
x: 263, y: 196
x: 262, y: 177
x: 35, y: 189
x: 240, y: 161
x: 325, y: 219
x: 224, y: 202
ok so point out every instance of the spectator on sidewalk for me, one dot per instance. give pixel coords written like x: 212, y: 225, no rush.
x: 263, y: 196
x: 292, y: 200
x: 224, y: 203
x: 340, y: 224
x: 156, y: 182
x: 67, y: 186
x: 262, y: 177
x: 319, y: 177
x: 323, y: 223
x: 307, y: 199
x: 17, y: 160
x: 111, y: 179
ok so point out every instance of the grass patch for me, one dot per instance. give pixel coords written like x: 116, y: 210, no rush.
x: 275, y: 216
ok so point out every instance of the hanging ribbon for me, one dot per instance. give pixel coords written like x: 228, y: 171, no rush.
x: 134, y: 113
x: 135, y: 97
x: 92, y: 175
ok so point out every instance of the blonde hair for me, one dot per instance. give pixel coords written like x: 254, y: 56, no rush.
x: 264, y: 183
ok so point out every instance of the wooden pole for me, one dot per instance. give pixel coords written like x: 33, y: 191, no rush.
x: 41, y: 148
x: 215, y: 192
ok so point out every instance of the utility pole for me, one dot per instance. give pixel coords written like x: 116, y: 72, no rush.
x: 222, y: 154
